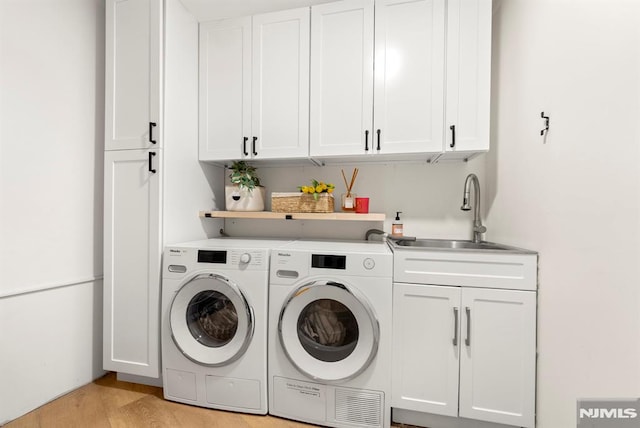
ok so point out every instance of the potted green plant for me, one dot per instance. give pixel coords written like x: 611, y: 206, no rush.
x: 245, y: 192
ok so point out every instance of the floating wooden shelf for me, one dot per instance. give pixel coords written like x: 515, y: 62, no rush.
x: 294, y: 216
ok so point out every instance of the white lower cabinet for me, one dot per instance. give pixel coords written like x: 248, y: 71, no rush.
x: 465, y: 352
x: 132, y: 248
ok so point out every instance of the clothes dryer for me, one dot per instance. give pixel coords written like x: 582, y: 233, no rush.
x: 330, y: 333
x: 214, y: 323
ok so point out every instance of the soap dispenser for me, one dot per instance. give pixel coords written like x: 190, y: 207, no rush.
x: 396, y: 227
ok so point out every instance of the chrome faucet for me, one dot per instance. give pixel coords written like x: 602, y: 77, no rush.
x: 478, y: 228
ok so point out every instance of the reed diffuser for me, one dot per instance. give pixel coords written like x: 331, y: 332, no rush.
x: 349, y: 198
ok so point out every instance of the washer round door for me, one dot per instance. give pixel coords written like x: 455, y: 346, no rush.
x: 328, y: 331
x: 211, y: 321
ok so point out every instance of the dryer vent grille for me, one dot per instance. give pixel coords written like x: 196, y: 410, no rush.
x: 359, y: 407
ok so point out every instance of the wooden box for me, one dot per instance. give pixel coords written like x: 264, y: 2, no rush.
x: 296, y: 202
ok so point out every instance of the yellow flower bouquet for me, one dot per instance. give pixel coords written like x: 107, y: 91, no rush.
x: 317, y: 187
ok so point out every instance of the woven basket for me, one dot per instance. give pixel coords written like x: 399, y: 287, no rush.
x: 295, y: 202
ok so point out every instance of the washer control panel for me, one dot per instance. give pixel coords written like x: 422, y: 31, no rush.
x: 247, y: 257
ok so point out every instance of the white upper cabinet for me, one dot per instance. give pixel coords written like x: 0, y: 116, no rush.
x: 341, y: 78
x: 409, y: 76
x: 254, y: 87
x: 388, y: 79
x: 225, y: 93
x: 431, y: 78
x: 133, y: 74
x: 468, y: 77
x: 280, y: 113
x: 401, y: 111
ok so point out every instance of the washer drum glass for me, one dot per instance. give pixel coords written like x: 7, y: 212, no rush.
x: 211, y: 321
x: 328, y: 330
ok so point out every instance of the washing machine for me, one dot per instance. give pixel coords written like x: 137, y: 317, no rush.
x: 330, y: 313
x: 214, y: 323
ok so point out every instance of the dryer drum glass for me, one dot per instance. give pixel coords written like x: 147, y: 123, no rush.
x: 212, y: 318
x: 328, y: 330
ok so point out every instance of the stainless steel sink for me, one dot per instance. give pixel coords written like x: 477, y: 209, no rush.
x: 449, y: 244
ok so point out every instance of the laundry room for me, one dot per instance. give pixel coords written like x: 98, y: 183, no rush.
x: 557, y: 218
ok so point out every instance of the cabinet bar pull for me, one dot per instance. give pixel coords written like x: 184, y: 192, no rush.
x: 244, y: 146
x: 455, y: 326
x: 151, y: 126
x: 151, y: 168
x: 253, y: 146
x: 467, y: 340
x: 453, y: 136
x: 366, y: 140
x: 378, y: 132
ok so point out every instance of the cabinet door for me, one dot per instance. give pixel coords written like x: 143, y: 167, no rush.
x: 280, y: 84
x: 409, y: 76
x: 498, y: 356
x: 225, y: 89
x: 468, y: 75
x: 133, y: 73
x: 132, y: 250
x: 341, y: 78
x: 426, y: 344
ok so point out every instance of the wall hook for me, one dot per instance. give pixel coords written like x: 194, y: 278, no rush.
x: 546, y: 123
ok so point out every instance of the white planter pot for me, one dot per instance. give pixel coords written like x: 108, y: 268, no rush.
x: 237, y: 199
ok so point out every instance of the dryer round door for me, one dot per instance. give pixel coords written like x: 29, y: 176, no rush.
x: 211, y: 321
x: 328, y: 331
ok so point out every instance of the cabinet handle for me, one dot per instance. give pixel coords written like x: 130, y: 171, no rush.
x: 253, y: 146
x: 453, y: 136
x: 366, y: 140
x: 151, y: 168
x: 378, y: 132
x: 151, y: 126
x: 467, y: 340
x: 244, y: 146
x: 455, y: 326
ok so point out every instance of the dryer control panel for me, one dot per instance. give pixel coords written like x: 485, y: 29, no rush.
x: 288, y: 266
x: 181, y: 260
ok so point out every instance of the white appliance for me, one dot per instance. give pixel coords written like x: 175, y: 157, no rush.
x: 330, y: 319
x: 214, y: 323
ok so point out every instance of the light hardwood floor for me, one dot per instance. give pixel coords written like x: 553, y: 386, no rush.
x: 110, y: 403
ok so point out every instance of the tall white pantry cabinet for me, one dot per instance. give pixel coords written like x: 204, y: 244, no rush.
x: 147, y: 145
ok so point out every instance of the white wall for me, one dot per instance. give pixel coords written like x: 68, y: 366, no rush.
x: 574, y: 196
x: 189, y: 186
x: 429, y: 196
x: 51, y: 138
